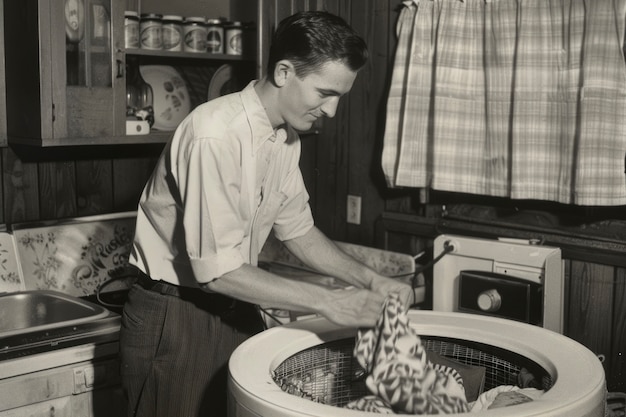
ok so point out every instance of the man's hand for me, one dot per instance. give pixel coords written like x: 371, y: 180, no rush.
x: 353, y: 307
x: 385, y: 286
x: 360, y: 307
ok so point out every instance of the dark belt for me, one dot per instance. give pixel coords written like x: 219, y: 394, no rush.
x: 214, y: 302
x: 239, y: 314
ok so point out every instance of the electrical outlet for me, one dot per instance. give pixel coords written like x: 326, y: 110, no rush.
x: 353, y: 209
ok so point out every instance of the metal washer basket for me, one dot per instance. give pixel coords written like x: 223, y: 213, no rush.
x: 329, y: 374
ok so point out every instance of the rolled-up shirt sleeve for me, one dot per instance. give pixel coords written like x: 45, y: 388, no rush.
x: 209, y: 182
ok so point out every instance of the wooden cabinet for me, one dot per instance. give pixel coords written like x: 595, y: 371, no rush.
x: 66, y: 72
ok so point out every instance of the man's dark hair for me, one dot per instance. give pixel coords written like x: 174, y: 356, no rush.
x: 311, y: 39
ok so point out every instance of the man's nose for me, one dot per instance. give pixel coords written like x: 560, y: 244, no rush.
x: 329, y: 108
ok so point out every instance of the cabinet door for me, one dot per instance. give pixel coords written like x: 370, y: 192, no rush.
x: 64, y: 68
x: 94, y: 68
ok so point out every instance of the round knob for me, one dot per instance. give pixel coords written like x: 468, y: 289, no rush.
x: 489, y: 300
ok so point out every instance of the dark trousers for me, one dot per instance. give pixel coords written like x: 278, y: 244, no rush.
x: 174, y: 348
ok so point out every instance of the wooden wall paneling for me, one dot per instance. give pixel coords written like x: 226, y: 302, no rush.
x: 357, y: 136
x: 243, y: 10
x: 308, y: 167
x: 617, y: 381
x: 365, y: 177
x: 129, y: 178
x: 331, y: 186
x: 2, y: 188
x: 94, y: 186
x: 267, y: 22
x: 330, y: 6
x: 57, y: 185
x: 299, y: 6
x: 590, y: 301
x: 341, y: 143
x: 293, y: 6
x: 21, y: 193
x: 318, y: 4
x: 3, y: 92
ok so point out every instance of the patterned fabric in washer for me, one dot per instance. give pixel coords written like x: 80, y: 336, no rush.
x: 400, y: 377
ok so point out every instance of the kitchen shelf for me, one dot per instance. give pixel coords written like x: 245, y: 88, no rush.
x: 192, y: 55
x: 154, y: 137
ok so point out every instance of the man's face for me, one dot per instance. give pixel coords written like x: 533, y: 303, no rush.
x: 304, y: 100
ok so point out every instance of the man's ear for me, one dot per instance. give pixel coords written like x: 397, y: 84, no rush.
x: 283, y: 71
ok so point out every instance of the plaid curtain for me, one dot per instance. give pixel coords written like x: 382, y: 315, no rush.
x: 513, y: 98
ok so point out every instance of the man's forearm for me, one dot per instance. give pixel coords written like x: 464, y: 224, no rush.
x: 321, y: 254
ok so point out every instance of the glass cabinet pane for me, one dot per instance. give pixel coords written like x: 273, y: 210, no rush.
x: 88, y: 42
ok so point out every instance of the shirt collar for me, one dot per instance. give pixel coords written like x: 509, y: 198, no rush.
x: 260, y: 125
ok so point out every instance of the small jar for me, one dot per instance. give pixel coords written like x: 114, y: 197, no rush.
x: 151, y: 29
x: 233, y: 41
x: 215, y: 36
x: 172, y: 33
x: 194, y: 30
x: 131, y: 29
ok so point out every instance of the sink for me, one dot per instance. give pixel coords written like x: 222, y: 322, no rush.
x: 33, y: 311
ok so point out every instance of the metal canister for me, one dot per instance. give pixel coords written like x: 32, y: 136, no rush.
x: 215, y: 36
x: 194, y: 29
x: 172, y: 33
x: 131, y: 29
x: 233, y: 38
x: 151, y: 29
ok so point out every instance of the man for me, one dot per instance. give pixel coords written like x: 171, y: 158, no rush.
x: 227, y: 178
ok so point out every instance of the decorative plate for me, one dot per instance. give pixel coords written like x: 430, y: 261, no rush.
x: 171, y: 100
x: 222, y: 82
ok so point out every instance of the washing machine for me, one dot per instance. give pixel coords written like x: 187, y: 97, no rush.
x: 512, y: 321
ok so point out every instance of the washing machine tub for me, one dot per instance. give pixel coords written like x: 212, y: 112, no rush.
x: 573, y: 375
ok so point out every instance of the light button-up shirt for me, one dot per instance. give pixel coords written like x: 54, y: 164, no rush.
x: 222, y: 183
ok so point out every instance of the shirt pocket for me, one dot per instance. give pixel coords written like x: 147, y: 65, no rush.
x: 266, y: 216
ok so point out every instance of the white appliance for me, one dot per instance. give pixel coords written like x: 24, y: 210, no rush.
x: 508, y: 278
